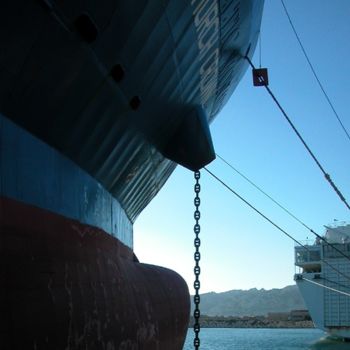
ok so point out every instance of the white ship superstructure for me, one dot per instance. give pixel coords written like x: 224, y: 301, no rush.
x: 324, y: 280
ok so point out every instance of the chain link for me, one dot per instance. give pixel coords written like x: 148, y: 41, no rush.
x: 197, y: 257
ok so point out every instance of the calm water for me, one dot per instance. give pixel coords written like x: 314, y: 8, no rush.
x: 263, y: 339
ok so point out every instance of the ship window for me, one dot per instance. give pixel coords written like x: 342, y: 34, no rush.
x: 301, y: 257
x: 315, y: 255
x: 307, y: 256
x: 314, y: 268
x: 117, y: 73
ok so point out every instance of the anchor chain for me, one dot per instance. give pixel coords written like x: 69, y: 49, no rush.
x: 197, y: 256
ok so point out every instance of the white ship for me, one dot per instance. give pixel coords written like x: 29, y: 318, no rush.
x: 324, y: 280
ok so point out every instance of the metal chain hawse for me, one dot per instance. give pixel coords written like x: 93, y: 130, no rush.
x: 197, y: 256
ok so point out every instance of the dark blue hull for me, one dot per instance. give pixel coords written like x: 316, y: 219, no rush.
x: 171, y: 57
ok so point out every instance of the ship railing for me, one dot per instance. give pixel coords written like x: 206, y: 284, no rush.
x: 337, y: 250
x: 336, y: 224
x: 306, y: 242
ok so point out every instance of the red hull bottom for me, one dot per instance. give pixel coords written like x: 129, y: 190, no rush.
x: 65, y: 286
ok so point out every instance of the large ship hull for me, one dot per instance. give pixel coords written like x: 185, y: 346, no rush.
x: 98, y: 103
x: 328, y: 310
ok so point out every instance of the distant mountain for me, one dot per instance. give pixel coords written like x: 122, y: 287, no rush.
x: 252, y: 302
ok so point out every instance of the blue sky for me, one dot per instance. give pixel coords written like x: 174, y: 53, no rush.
x: 239, y: 249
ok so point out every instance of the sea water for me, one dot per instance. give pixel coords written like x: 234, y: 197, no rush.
x: 264, y: 339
